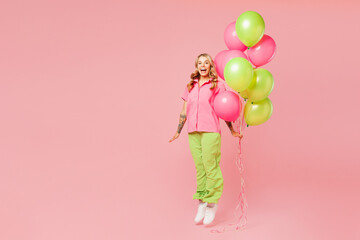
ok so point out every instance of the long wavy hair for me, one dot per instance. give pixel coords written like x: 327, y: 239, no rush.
x: 196, y: 74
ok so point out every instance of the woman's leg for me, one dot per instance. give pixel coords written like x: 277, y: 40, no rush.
x: 211, y: 155
x: 196, y: 152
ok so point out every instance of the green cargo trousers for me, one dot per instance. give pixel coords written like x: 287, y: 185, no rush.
x: 205, y: 149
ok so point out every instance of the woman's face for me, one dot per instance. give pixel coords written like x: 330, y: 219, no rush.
x: 203, y: 66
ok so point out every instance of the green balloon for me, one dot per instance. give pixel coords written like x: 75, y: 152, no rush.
x: 250, y: 28
x: 257, y: 113
x: 261, y: 86
x: 238, y: 73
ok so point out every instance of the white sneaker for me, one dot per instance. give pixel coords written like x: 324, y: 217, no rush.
x: 200, y: 212
x: 210, y: 214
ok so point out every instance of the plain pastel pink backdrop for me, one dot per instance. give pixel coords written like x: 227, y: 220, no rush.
x: 90, y: 95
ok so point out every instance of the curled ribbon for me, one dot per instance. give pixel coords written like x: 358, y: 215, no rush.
x: 241, y: 219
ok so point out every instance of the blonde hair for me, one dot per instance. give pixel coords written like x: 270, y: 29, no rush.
x: 196, y: 74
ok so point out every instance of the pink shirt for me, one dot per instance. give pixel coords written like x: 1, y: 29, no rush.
x: 200, y: 107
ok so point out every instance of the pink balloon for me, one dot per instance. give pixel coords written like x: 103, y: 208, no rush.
x: 217, y: 61
x: 227, y: 106
x: 232, y: 40
x: 262, y: 53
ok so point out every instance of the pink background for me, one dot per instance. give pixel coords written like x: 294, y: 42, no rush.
x: 90, y: 95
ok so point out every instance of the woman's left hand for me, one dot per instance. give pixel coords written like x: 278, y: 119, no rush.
x: 236, y: 134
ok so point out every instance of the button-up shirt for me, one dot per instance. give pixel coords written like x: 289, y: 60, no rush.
x: 200, y: 113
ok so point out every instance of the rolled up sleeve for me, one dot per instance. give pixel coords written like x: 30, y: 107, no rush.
x: 185, y: 94
x: 220, y: 88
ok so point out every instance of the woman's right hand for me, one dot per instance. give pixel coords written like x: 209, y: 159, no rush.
x: 174, y: 137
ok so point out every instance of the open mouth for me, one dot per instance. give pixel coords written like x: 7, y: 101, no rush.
x: 203, y: 70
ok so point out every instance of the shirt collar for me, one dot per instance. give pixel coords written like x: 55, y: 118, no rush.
x: 197, y: 80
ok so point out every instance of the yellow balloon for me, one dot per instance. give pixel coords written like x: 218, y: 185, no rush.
x: 259, y: 112
x: 238, y: 73
x: 250, y: 28
x: 261, y: 85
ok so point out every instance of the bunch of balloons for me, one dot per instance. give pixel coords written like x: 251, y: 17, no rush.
x: 241, y: 71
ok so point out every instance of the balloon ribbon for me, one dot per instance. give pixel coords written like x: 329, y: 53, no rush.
x: 241, y: 219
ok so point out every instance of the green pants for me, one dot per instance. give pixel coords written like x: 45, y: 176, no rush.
x: 205, y: 149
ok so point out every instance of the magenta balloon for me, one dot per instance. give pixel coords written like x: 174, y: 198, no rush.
x: 232, y: 40
x: 217, y: 61
x: 262, y: 53
x: 227, y: 105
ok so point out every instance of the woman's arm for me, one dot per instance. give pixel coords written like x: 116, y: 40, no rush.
x: 181, y: 122
x: 229, y: 124
x: 182, y: 118
x: 234, y: 133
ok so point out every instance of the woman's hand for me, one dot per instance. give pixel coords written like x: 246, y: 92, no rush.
x: 236, y: 134
x: 174, y: 137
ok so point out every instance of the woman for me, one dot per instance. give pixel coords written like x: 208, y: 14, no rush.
x: 204, y: 135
